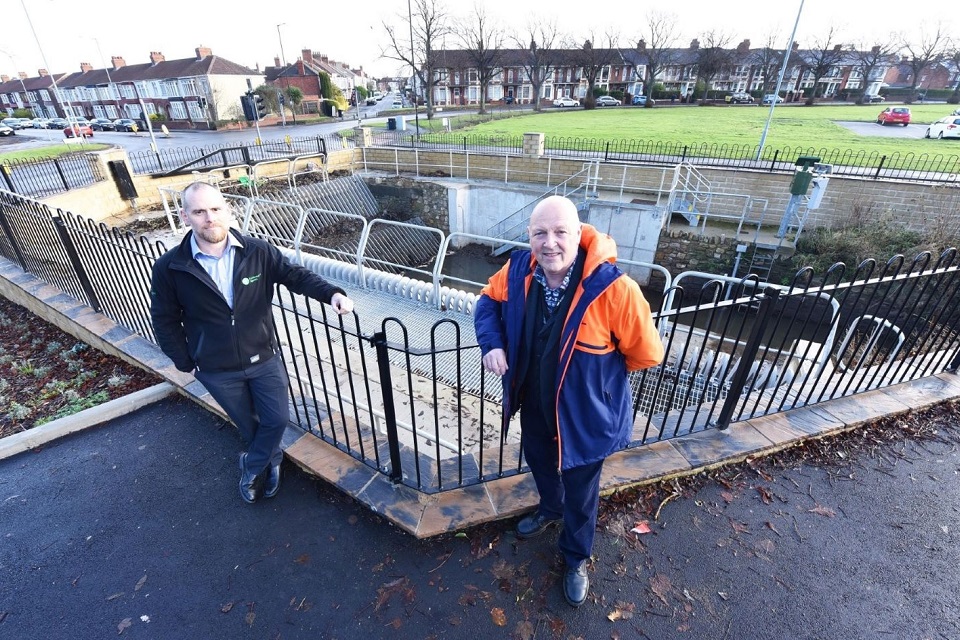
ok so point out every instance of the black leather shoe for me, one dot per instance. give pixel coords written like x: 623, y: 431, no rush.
x: 534, y: 525
x: 272, y: 483
x: 247, y: 482
x: 576, y: 584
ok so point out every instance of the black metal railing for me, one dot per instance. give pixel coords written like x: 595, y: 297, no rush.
x: 228, y: 154
x: 925, y: 167
x: 41, y: 178
x: 416, y: 405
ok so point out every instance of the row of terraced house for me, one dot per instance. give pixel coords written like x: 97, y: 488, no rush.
x: 194, y: 93
x: 837, y: 72
x: 201, y: 91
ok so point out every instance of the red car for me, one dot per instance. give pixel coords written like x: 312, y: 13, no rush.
x: 894, y: 115
x: 78, y: 130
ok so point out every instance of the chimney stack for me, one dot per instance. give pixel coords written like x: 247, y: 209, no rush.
x: 117, y: 62
x: 42, y: 73
x: 203, y: 52
x: 85, y: 66
x: 156, y: 58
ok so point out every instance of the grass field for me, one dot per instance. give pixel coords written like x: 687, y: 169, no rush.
x: 792, y: 126
x: 53, y: 151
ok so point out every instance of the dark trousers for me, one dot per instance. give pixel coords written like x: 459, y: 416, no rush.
x: 573, y: 495
x: 256, y: 401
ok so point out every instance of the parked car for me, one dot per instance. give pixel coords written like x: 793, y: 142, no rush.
x: 57, y: 123
x: 40, y: 123
x: 566, y: 102
x: 13, y: 123
x: 6, y: 131
x: 76, y: 130
x: 508, y: 100
x: 397, y: 103
x: 948, y: 127
x: 102, y: 124
x: 873, y: 99
x: 894, y: 115
x: 643, y: 101
x: 770, y: 98
x: 740, y: 98
x: 126, y: 124
x: 607, y: 101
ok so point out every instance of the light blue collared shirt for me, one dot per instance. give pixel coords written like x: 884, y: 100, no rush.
x: 220, y: 269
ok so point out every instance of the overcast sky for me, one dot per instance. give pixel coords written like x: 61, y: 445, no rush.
x: 246, y: 32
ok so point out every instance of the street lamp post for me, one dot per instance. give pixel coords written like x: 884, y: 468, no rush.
x: 413, y: 78
x: 776, y: 92
x: 286, y: 82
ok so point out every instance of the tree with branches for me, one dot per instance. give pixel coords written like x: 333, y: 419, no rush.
x: 482, y: 40
x: 952, y: 61
x: 768, y: 60
x: 819, y: 60
x: 538, y: 56
x: 869, y: 58
x: 593, y: 62
x: 656, y: 49
x: 712, y: 56
x: 430, y: 25
x: 922, y: 55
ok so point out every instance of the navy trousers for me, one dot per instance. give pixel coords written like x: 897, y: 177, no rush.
x: 573, y: 495
x: 257, y: 402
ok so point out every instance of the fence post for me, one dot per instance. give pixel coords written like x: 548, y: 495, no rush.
x: 773, y: 163
x: 767, y: 303
x: 879, y: 167
x: 74, y: 258
x: 63, y: 178
x: 683, y: 157
x: 606, y: 152
x: 7, y: 177
x: 379, y: 341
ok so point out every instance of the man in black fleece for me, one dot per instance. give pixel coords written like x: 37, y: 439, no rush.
x: 211, y: 305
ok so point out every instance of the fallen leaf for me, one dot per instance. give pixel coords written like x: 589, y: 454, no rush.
x: 124, y: 625
x: 249, y: 618
x: 661, y: 586
x: 727, y: 496
x: 739, y: 527
x: 823, y: 511
x: 773, y: 528
x: 498, y: 616
x: 524, y: 630
x: 641, y: 527
x: 395, y: 624
x: 764, y: 495
x: 114, y: 596
x: 226, y: 608
x: 142, y: 581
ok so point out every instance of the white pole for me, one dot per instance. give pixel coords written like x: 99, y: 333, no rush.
x: 776, y: 93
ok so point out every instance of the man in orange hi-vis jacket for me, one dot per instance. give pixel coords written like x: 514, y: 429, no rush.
x: 562, y: 325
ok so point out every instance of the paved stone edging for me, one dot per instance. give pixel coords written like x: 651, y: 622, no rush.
x: 32, y: 438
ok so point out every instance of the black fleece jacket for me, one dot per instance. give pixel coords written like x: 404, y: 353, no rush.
x: 196, y: 327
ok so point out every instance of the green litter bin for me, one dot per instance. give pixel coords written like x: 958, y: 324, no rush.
x: 392, y: 124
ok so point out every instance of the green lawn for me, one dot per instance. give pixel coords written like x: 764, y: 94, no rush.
x: 792, y: 126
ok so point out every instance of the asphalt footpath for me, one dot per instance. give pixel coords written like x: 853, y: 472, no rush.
x: 135, y: 529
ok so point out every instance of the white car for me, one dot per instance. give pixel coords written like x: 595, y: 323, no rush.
x: 566, y: 102
x: 607, y: 101
x: 769, y: 98
x: 948, y: 127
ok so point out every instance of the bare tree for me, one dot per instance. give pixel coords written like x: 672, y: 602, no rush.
x: 870, y: 58
x: 657, y: 48
x: 952, y: 62
x: 430, y: 24
x: 922, y: 55
x: 713, y: 56
x: 482, y: 40
x: 767, y: 61
x: 538, y: 56
x: 819, y: 60
x: 593, y: 62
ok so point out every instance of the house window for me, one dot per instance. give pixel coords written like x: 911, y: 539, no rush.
x: 196, y: 113
x: 127, y: 91
x: 45, y: 94
x: 177, y: 110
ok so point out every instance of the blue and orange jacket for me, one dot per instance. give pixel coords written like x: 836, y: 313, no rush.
x: 608, y: 331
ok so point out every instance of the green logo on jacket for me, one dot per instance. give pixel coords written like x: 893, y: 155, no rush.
x: 250, y: 279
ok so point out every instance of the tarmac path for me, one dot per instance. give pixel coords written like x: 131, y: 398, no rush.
x: 135, y: 529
